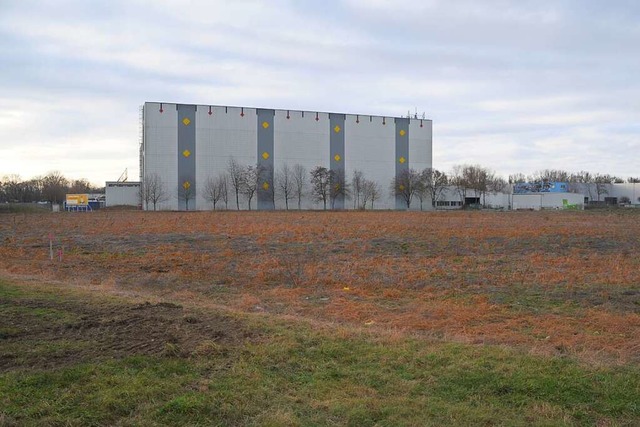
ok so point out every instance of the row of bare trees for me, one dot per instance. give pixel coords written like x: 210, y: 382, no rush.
x: 478, y: 181
x: 291, y: 184
x: 559, y: 175
x: 52, y: 188
x: 425, y: 185
x: 239, y: 181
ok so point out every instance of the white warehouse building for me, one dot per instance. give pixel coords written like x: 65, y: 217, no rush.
x: 187, y: 145
x: 122, y: 193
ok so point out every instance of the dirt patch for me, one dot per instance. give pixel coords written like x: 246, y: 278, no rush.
x: 39, y: 334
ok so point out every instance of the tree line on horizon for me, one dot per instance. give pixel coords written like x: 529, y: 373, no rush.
x: 52, y: 188
x: 292, y: 184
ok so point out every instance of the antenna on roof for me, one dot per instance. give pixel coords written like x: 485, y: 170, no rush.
x: 124, y: 176
x: 415, y: 114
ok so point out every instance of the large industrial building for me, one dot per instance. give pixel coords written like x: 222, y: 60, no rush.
x: 187, y: 145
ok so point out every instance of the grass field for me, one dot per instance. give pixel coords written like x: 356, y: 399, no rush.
x: 313, y: 318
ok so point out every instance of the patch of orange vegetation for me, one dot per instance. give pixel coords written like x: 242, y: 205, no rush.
x: 555, y: 283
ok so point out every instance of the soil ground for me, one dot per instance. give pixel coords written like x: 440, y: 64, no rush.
x: 44, y: 333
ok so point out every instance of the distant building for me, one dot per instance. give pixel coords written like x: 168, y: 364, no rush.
x: 547, y: 200
x: 628, y: 193
x: 188, y: 145
x: 522, y: 198
x: 540, y: 187
x: 122, y: 193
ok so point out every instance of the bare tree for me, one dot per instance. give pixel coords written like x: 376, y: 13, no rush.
x: 152, y: 190
x: 299, y: 176
x: 435, y: 183
x: 475, y: 178
x: 248, y: 183
x: 602, y: 182
x: 338, y: 187
x: 54, y: 187
x: 472, y: 177
x: 236, y: 176
x: 370, y: 193
x: 485, y: 178
x: 498, y: 185
x: 421, y: 189
x: 213, y: 189
x: 321, y: 184
x: 31, y: 190
x: 550, y: 175
x: 357, y: 181
x: 223, y: 184
x: 517, y: 178
x: 79, y: 186
x: 375, y: 192
x: 186, y: 192
x: 458, y: 180
x: 405, y: 185
x: 583, y: 182
x: 480, y: 179
x: 12, y: 188
x: 286, y: 184
x: 633, y: 180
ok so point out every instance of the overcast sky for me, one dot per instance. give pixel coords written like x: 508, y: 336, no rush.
x: 516, y: 86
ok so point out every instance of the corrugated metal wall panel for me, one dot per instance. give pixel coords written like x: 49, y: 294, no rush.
x: 122, y: 194
x: 161, y: 148
x: 226, y: 133
x: 370, y: 148
x: 420, y: 144
x: 305, y: 138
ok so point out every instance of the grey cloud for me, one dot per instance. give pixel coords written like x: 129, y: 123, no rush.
x: 512, y: 85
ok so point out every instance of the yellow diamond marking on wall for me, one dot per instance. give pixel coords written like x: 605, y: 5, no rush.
x: 336, y: 129
x: 265, y: 125
x: 265, y: 155
x: 401, y: 187
x: 337, y: 157
x: 402, y: 132
x: 186, y: 121
x: 402, y: 160
x: 186, y: 153
x: 265, y: 186
x: 186, y: 185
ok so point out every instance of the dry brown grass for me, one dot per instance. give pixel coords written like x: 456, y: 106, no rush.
x: 563, y: 283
